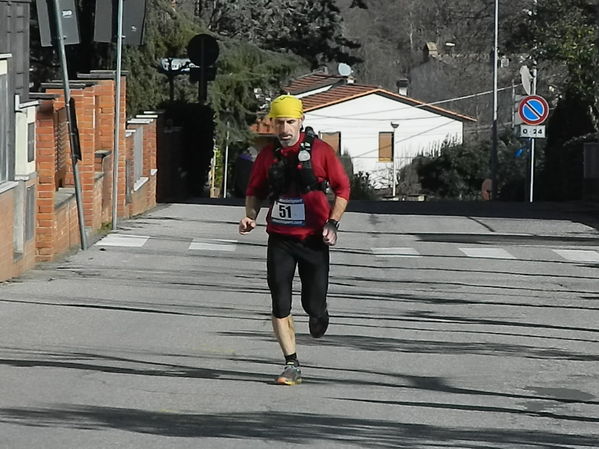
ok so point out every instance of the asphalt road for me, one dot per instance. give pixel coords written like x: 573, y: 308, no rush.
x: 464, y: 327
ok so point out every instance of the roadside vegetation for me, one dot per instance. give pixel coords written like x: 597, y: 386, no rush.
x: 263, y: 43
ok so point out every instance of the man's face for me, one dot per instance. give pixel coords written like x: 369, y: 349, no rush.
x: 288, y: 130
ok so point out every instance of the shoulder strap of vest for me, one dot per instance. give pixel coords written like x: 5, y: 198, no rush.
x: 309, y: 136
x: 307, y: 176
x: 277, y: 151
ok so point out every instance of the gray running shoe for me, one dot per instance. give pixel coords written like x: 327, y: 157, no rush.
x: 291, y: 375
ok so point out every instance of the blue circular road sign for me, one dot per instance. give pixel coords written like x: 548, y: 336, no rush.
x: 533, y: 110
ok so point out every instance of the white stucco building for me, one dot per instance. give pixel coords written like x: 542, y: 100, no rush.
x: 358, y: 120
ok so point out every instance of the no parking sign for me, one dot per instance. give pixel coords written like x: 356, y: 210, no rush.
x: 533, y: 110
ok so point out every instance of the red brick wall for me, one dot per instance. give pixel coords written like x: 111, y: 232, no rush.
x: 56, y: 225
x: 46, y: 157
x: 7, y: 201
x: 66, y: 227
x: 84, y: 101
x: 150, y: 142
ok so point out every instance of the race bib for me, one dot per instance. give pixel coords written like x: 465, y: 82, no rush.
x: 289, y: 211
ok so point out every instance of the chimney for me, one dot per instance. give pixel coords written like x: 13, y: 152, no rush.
x: 449, y: 47
x: 430, y: 51
x: 402, y: 86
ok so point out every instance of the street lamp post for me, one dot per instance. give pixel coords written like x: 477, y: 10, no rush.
x: 394, y: 125
x: 225, y: 168
x: 117, y: 115
x: 494, y: 137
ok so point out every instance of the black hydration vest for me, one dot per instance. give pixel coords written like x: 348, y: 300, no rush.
x: 286, y: 170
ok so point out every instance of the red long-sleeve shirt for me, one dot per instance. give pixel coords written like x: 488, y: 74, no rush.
x: 326, y: 166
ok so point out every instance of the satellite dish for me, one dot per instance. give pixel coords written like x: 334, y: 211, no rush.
x: 343, y: 69
x: 526, y: 78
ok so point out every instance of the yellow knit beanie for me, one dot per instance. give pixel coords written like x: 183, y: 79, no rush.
x: 286, y: 106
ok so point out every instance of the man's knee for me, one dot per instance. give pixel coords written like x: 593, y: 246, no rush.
x: 315, y: 306
x: 280, y: 311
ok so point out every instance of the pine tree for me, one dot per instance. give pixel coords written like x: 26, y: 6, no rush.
x: 310, y: 29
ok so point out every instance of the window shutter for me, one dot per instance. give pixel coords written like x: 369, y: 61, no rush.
x: 385, y: 146
x: 333, y: 139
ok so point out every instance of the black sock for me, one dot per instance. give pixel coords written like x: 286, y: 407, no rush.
x: 291, y: 359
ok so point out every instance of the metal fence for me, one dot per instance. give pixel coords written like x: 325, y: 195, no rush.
x: 62, y: 147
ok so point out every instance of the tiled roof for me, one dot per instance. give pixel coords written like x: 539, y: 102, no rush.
x: 348, y: 92
x: 312, y: 81
x: 262, y: 127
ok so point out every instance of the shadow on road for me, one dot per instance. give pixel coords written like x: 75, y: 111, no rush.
x: 283, y: 427
x: 584, y: 212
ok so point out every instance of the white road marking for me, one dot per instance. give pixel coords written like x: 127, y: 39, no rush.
x: 578, y: 255
x: 395, y: 252
x: 134, y: 241
x: 213, y: 245
x: 487, y: 253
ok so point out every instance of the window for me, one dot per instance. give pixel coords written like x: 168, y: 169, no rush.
x: 4, y: 113
x: 386, y: 146
x: 333, y: 139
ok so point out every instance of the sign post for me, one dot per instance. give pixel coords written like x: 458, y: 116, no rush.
x: 117, y: 115
x: 533, y: 110
x: 59, y: 27
x: 203, y: 51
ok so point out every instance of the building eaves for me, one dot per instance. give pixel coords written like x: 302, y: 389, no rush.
x: 349, y: 92
x: 312, y: 81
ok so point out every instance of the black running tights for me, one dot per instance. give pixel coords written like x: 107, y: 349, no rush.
x: 311, y: 256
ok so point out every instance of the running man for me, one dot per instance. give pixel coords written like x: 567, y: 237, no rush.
x: 293, y: 177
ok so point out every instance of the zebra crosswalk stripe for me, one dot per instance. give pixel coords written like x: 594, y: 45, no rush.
x: 213, y: 245
x: 578, y: 255
x: 487, y: 253
x: 395, y: 252
x: 133, y: 241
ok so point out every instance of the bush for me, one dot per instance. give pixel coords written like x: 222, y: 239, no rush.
x: 361, y: 187
x: 459, y: 170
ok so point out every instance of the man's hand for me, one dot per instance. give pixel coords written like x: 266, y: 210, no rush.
x: 329, y: 234
x: 246, y: 225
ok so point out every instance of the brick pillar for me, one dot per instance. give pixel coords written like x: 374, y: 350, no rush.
x: 150, y: 162
x: 85, y: 105
x: 46, y: 169
x: 105, y: 139
x: 105, y: 114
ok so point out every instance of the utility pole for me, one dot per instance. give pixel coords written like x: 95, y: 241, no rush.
x: 394, y: 125
x: 225, y: 168
x: 71, y: 119
x: 532, y: 142
x: 494, y: 126
x: 117, y: 115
